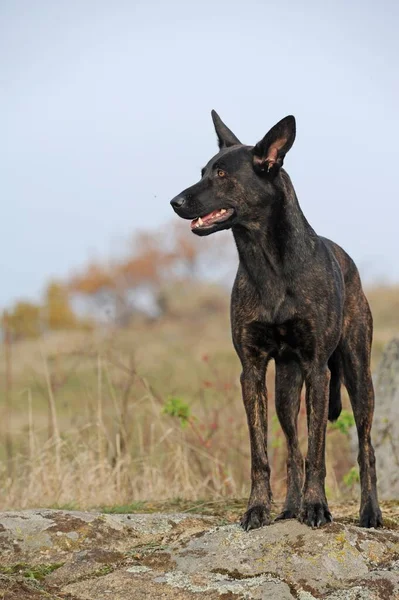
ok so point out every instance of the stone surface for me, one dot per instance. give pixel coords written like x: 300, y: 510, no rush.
x: 90, y: 556
x: 385, y: 429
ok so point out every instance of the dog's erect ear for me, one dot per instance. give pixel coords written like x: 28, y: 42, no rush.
x: 269, y: 153
x: 226, y: 138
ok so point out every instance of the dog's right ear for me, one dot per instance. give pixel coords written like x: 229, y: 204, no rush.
x: 226, y: 138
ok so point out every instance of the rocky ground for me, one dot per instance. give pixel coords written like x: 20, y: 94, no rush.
x: 182, y: 555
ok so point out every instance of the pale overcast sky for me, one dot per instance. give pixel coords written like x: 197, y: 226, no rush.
x: 105, y: 116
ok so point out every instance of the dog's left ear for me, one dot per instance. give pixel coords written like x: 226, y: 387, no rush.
x: 269, y: 153
x: 226, y: 138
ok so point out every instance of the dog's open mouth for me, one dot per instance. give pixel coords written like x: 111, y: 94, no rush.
x: 216, y: 216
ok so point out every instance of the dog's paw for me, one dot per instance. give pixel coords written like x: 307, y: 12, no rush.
x: 315, y: 513
x: 255, y: 517
x: 287, y: 514
x: 370, y: 515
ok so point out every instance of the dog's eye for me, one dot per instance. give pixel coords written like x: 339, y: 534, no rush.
x: 221, y: 173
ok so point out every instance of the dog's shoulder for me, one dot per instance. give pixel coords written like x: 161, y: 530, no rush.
x: 345, y: 262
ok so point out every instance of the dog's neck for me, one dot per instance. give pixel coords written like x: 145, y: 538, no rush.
x: 280, y: 242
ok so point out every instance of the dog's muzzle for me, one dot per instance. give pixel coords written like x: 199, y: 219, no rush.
x: 177, y: 202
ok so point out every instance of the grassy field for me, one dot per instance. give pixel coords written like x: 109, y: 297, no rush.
x: 149, y: 413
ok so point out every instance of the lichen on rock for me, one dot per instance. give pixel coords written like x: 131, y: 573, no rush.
x: 185, y: 557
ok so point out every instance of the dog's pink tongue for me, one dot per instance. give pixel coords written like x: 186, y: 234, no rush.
x: 204, y: 220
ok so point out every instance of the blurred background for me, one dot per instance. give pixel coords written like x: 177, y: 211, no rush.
x: 119, y: 382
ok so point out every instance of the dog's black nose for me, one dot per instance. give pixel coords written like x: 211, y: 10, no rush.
x: 178, y: 201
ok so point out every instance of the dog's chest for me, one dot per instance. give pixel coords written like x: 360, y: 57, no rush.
x: 292, y: 336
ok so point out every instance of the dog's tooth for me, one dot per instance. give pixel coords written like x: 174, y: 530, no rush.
x: 200, y: 221
x: 223, y: 211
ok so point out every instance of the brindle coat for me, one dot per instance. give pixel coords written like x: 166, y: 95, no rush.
x: 297, y: 299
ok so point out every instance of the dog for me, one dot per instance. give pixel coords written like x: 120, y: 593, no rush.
x: 298, y: 299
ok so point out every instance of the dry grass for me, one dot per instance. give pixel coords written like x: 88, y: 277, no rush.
x: 384, y: 302
x: 88, y: 423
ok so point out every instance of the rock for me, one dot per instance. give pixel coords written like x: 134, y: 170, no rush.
x: 314, y: 560
x: 385, y: 431
x: 36, y: 535
x: 188, y: 557
x: 123, y: 585
x: 84, y: 564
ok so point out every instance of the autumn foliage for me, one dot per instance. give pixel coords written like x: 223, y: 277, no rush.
x: 24, y: 320
x: 153, y: 262
x: 117, y: 290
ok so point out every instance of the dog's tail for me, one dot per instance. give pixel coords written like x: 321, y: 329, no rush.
x: 335, y: 404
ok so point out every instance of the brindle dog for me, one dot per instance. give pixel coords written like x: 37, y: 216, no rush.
x: 297, y: 299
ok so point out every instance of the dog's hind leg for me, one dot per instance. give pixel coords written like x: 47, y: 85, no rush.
x: 289, y: 381
x: 355, y: 353
x: 253, y: 382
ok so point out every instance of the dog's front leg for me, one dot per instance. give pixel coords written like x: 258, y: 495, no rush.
x: 315, y: 511
x: 253, y: 382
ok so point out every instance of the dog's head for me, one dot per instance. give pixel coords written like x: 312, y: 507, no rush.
x: 238, y: 182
